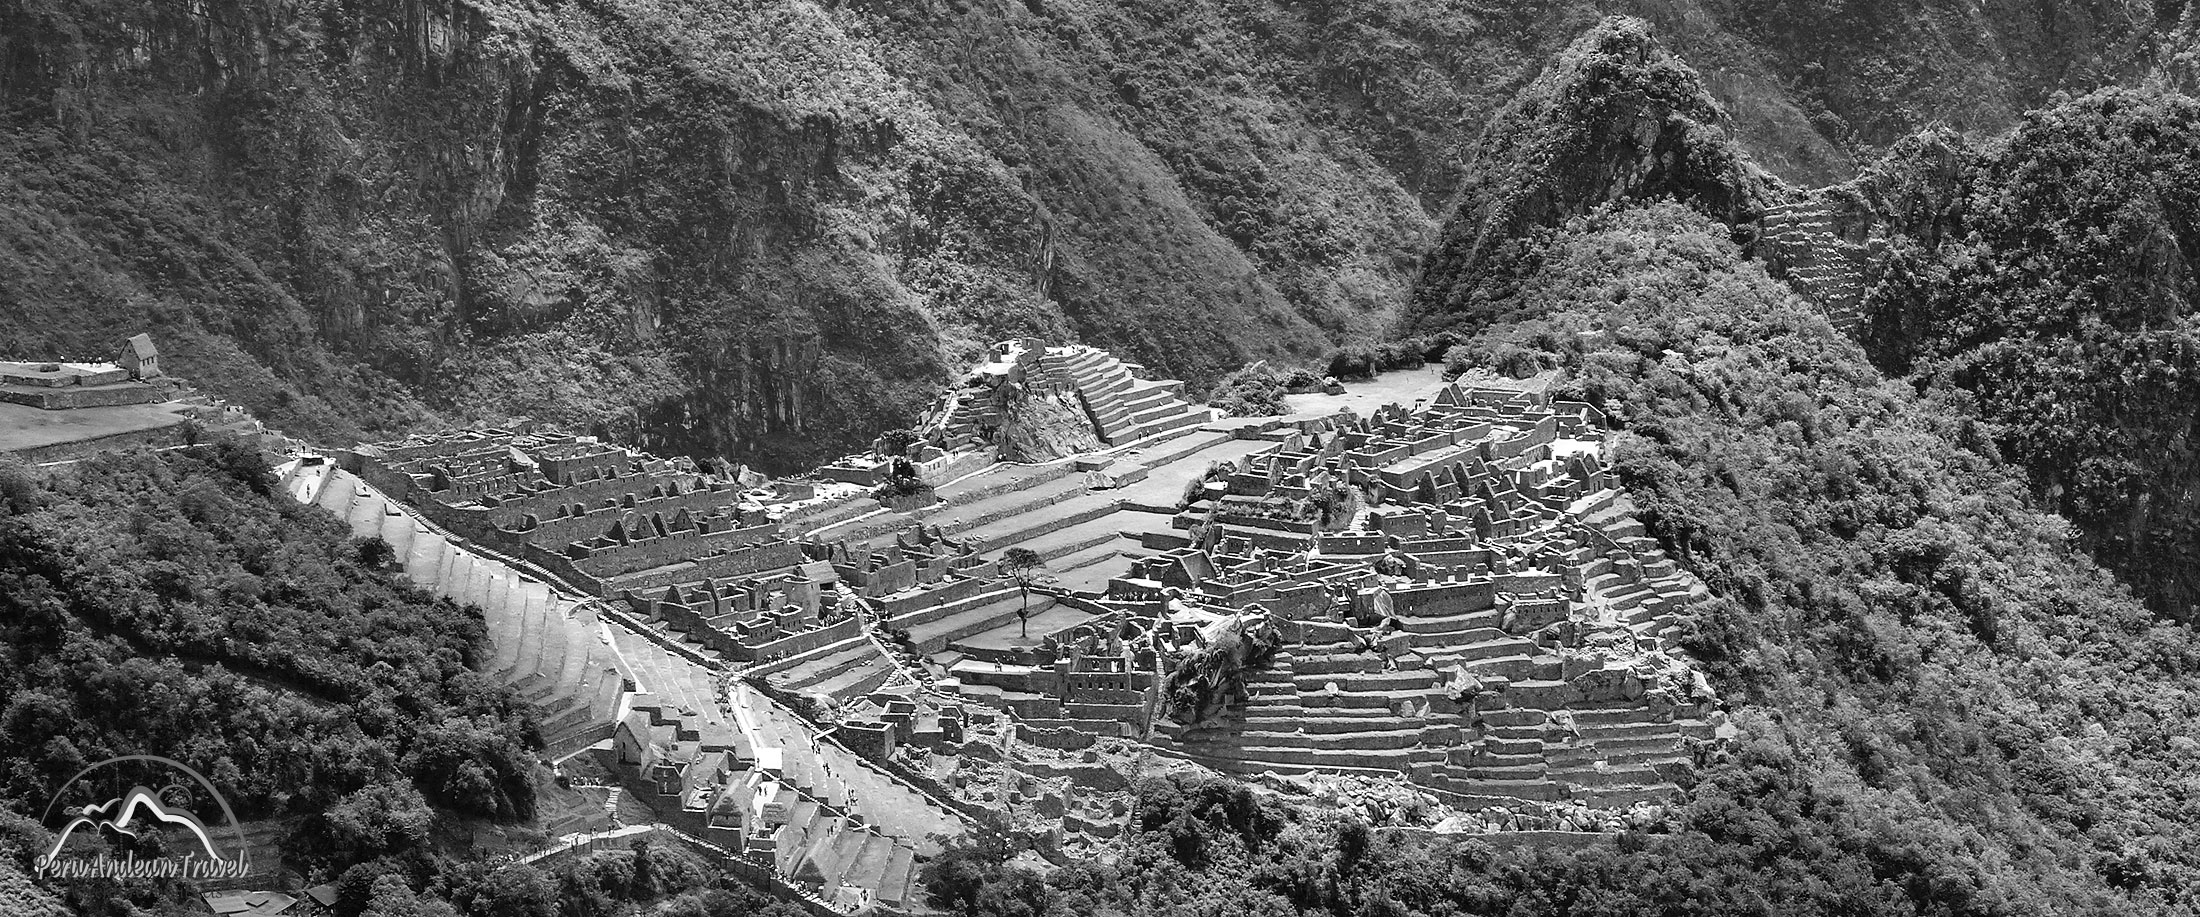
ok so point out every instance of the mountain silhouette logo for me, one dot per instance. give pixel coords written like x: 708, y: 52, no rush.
x: 132, y: 814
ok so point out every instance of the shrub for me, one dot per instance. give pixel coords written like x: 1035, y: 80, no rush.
x: 1254, y: 390
x: 1352, y: 363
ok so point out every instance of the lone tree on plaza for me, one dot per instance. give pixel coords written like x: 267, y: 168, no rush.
x: 1028, y: 569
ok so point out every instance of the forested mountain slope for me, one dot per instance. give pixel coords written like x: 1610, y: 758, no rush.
x: 2044, y: 278
x: 1615, y: 117
x: 174, y: 604
x: 762, y: 228
x: 2048, y: 277
x: 1931, y: 651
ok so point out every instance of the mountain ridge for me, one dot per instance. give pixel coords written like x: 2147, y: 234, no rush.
x: 747, y: 229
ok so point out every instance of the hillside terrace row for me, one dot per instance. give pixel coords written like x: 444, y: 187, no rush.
x: 1491, y: 625
x: 705, y: 571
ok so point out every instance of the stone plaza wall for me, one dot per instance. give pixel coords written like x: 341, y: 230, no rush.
x: 673, y: 547
x: 741, y: 562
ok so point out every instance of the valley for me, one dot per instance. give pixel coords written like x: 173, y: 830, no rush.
x: 649, y: 458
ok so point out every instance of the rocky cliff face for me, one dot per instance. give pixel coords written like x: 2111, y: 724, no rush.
x: 762, y: 228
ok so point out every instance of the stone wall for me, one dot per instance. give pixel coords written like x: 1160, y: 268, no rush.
x: 952, y: 590
x: 555, y: 529
x: 747, y: 561
x: 670, y: 548
x: 67, y: 397
x: 393, y: 454
x: 155, y: 438
x: 953, y: 465
x: 843, y: 629
x: 1064, y: 739
x: 507, y: 509
x: 1444, y: 599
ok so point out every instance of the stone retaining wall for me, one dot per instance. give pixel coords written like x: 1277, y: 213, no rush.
x: 166, y: 437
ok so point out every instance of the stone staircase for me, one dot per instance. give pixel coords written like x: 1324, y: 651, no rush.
x: 1646, y: 588
x: 966, y: 417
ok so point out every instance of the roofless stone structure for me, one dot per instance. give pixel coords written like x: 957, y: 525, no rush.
x: 1451, y: 593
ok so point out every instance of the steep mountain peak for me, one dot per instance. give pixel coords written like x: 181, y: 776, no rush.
x: 1614, y: 117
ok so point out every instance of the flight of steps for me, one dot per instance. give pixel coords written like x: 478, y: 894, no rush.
x: 548, y: 646
x: 1124, y: 408
x: 967, y: 414
x: 1645, y: 588
x: 1799, y: 237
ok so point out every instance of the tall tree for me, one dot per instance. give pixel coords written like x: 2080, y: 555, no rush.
x: 1028, y: 569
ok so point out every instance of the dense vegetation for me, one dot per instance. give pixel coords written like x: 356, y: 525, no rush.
x: 1933, y: 644
x: 645, y: 880
x: 1257, y: 389
x: 2042, y: 279
x: 763, y: 228
x: 250, y: 638
x: 1615, y: 116
x: 2048, y: 277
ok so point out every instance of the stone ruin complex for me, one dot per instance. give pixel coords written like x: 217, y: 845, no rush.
x: 1452, y: 596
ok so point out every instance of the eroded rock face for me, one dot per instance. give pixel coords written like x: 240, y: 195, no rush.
x: 1044, y: 427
